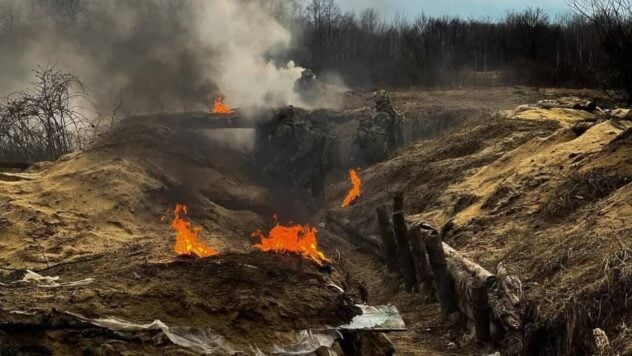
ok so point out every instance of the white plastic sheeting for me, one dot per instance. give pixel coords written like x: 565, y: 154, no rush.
x: 203, y: 341
x: 308, y: 342
x: 376, y: 318
x: 47, y: 281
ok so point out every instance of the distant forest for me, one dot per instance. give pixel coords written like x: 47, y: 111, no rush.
x: 591, y: 46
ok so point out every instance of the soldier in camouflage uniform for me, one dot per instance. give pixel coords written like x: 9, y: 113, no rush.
x: 381, y: 133
x: 307, y: 87
x: 296, y: 150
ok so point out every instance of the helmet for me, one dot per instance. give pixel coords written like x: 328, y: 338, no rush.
x: 382, y: 100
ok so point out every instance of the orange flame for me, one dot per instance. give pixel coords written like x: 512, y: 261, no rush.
x: 187, y: 242
x: 291, y: 239
x: 356, y: 189
x: 219, y: 107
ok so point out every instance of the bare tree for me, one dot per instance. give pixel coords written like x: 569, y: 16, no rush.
x: 612, y: 20
x: 43, y: 123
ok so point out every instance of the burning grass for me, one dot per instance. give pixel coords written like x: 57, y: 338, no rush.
x: 219, y: 107
x: 187, y: 241
x: 296, y: 239
x: 356, y: 189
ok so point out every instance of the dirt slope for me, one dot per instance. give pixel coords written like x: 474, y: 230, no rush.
x: 104, y: 213
x: 522, y: 188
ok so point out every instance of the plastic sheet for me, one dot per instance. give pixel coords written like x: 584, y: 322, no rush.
x: 308, y: 342
x: 47, y: 281
x: 376, y: 318
x: 203, y: 341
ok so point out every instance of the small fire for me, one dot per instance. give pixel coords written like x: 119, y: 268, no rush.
x: 356, y: 189
x: 297, y: 239
x: 219, y: 107
x: 187, y: 242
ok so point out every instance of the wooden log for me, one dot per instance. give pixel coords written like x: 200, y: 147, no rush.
x: 420, y: 258
x: 404, y: 255
x: 398, y: 202
x: 462, y: 284
x: 444, y: 284
x: 388, y: 241
x: 481, y: 310
x: 476, y: 270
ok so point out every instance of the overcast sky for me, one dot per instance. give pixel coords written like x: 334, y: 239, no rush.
x: 463, y: 8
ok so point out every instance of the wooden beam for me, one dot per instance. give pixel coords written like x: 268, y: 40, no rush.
x: 420, y: 258
x: 404, y: 255
x: 481, y: 309
x: 444, y: 284
x: 474, y: 269
x: 388, y: 241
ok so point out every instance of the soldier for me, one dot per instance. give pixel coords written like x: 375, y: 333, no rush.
x: 298, y: 150
x: 307, y: 87
x: 382, y: 132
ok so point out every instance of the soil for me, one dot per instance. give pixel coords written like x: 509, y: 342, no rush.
x: 497, y: 172
x: 522, y: 188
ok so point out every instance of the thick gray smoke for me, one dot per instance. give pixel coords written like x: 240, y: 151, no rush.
x: 151, y: 55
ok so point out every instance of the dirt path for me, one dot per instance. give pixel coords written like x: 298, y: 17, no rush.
x: 429, y: 333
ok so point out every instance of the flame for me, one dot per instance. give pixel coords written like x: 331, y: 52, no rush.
x: 293, y: 239
x: 219, y: 107
x: 187, y: 242
x: 356, y: 189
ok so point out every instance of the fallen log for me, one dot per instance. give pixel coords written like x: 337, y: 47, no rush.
x: 472, y: 300
x: 472, y: 303
x: 474, y: 269
x: 444, y: 283
x: 388, y: 241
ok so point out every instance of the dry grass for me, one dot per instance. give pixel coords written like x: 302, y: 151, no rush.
x: 579, y: 190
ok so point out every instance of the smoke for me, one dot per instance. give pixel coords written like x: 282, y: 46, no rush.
x: 152, y: 55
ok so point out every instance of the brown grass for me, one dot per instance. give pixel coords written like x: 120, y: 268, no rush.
x: 579, y: 190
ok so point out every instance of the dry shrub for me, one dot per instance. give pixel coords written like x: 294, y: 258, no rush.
x: 579, y: 190
x: 45, y: 122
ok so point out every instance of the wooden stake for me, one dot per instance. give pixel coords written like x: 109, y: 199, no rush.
x: 398, y: 202
x: 404, y: 255
x: 480, y: 304
x: 420, y: 258
x: 386, y: 232
x: 442, y: 279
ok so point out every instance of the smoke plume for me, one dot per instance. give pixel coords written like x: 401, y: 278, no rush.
x: 151, y: 55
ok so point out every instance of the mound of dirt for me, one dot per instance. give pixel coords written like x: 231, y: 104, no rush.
x: 249, y: 299
x: 104, y: 214
x: 116, y: 192
x: 522, y: 188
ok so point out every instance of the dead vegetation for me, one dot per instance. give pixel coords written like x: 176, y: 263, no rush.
x: 552, y: 206
x: 581, y: 189
x: 45, y: 121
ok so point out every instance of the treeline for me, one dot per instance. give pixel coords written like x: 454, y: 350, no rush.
x: 527, y: 47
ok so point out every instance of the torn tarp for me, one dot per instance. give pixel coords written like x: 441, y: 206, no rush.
x: 204, y: 341
x: 47, y: 281
x: 376, y: 318
x: 308, y: 342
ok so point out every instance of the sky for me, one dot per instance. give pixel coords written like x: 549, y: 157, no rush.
x: 462, y: 8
